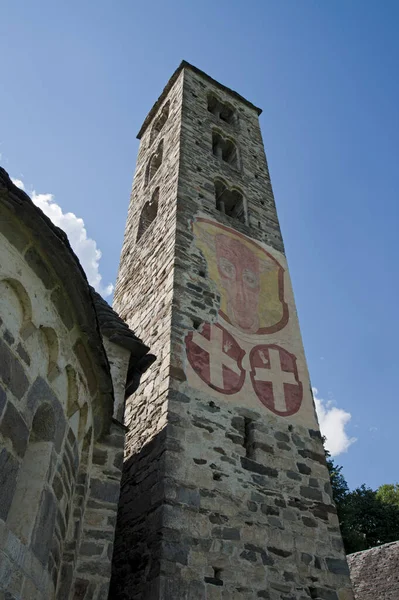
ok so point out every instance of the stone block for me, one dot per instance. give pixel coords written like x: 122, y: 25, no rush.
x: 62, y: 305
x: 311, y: 493
x: 12, y: 372
x: 90, y: 549
x: 14, y: 428
x: 255, y: 467
x: 12, y: 232
x: 37, y: 264
x: 9, y: 466
x: 304, y: 469
x: 23, y: 354
x: 40, y: 392
x: 226, y: 533
x: 83, y: 358
x: 190, y: 497
x: 107, y: 491
x: 337, y: 566
x: 3, y: 399
x: 44, y: 527
x: 99, y: 456
x: 9, y: 338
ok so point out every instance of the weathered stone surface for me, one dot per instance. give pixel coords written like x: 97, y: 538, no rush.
x: 216, y: 495
x: 311, y: 493
x: 23, y: 354
x: 40, y: 392
x: 62, y: 305
x: 13, y: 427
x: 37, y: 264
x: 251, y: 465
x: 3, y: 399
x: 12, y: 372
x: 44, y: 528
x: 45, y: 517
x: 107, y: 491
x: 338, y: 566
x: 8, y: 478
x: 9, y: 338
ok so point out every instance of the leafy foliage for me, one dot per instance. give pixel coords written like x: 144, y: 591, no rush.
x: 389, y: 493
x: 367, y: 517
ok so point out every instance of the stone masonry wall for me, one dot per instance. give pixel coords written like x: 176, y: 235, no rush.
x: 375, y: 572
x: 249, y: 512
x: 229, y: 499
x: 59, y: 477
x: 143, y: 297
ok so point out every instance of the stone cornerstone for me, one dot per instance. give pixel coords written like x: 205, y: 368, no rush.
x: 65, y: 361
x: 225, y: 491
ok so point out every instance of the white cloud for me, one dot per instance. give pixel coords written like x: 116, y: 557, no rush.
x: 18, y: 183
x: 84, y: 247
x: 332, y: 422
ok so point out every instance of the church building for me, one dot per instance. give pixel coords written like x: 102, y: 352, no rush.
x: 189, y: 465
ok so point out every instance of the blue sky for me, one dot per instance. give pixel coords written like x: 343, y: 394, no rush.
x: 78, y: 78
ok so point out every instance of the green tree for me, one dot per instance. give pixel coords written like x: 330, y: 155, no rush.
x: 366, y: 521
x: 367, y: 517
x: 389, y: 493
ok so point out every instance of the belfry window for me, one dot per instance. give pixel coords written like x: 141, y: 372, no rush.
x: 159, y: 122
x: 231, y: 202
x: 148, y: 214
x: 221, y: 110
x: 154, y: 163
x: 224, y: 149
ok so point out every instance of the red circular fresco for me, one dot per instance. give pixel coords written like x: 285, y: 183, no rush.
x: 216, y: 357
x: 274, y: 376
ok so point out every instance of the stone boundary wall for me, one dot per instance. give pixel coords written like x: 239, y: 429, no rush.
x: 375, y: 572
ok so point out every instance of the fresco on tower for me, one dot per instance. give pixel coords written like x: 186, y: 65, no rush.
x: 253, y: 351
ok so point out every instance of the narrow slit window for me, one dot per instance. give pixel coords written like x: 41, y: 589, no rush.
x: 248, y: 438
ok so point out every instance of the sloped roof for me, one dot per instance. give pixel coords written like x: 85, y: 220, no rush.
x: 375, y: 572
x: 116, y: 329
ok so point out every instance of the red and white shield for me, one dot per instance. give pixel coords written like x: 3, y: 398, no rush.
x: 274, y: 376
x: 216, y: 357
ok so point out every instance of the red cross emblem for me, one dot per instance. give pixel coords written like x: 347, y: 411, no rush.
x: 274, y: 376
x: 216, y: 357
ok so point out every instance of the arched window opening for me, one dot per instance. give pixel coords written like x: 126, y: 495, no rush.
x: 221, y: 110
x: 230, y: 202
x: 159, y: 122
x: 154, y: 163
x: 30, y: 497
x: 148, y: 214
x: 224, y: 149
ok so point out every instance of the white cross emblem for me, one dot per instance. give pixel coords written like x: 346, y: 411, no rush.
x: 217, y: 355
x: 276, y: 376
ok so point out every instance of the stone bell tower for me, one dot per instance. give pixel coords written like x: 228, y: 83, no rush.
x: 225, y: 494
